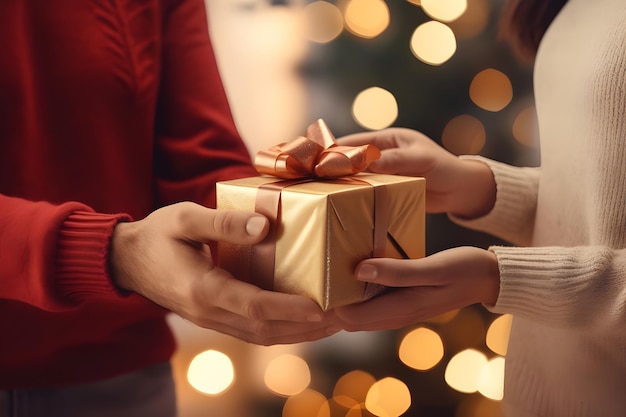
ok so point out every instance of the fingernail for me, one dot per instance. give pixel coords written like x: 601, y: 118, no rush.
x: 255, y: 225
x: 367, y: 272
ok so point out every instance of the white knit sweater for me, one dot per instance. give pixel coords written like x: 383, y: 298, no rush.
x: 565, y: 280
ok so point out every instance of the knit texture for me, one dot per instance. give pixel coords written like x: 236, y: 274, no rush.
x: 567, y: 289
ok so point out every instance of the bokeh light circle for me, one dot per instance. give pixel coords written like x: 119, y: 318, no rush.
x: 421, y: 349
x: 375, y: 108
x: 324, y: 21
x: 211, y: 372
x: 497, y: 337
x: 351, y: 389
x: 287, y: 375
x: 388, y: 397
x: 491, y: 380
x: 525, y: 127
x: 444, y: 10
x: 366, y: 18
x: 308, y: 403
x: 473, y: 21
x: 491, y: 90
x: 465, y: 369
x: 357, y: 411
x: 433, y: 43
x: 464, y: 135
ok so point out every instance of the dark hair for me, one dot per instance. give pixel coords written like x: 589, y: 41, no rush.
x: 523, y: 23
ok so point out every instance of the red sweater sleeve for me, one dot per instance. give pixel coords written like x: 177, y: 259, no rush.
x: 106, y: 110
x: 197, y: 141
x: 53, y: 256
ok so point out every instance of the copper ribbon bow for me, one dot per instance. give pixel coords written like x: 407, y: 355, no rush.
x: 315, y: 155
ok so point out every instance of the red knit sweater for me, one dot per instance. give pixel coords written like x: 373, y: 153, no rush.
x: 108, y: 110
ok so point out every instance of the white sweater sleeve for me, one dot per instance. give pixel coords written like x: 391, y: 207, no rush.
x: 513, y: 215
x: 573, y: 287
x: 578, y: 286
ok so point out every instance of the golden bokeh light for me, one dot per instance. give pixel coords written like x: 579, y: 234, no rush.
x: 491, y: 90
x: 359, y: 411
x: 324, y: 21
x: 366, y: 18
x: 491, y: 381
x: 464, y: 135
x: 525, y: 128
x: 465, y: 369
x: 351, y: 389
x: 375, y: 108
x: 473, y: 21
x: 308, y: 403
x: 355, y: 411
x: 388, y: 397
x: 287, y: 375
x: 211, y: 372
x: 444, y: 10
x: 433, y: 43
x: 421, y: 349
x: 498, y: 334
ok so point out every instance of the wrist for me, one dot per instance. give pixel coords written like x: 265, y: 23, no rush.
x: 492, y: 277
x: 476, y: 193
x: 119, y: 265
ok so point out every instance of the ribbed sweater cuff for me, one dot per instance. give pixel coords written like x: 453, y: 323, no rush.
x: 523, y: 281
x: 515, y: 203
x: 82, y: 258
x: 541, y: 283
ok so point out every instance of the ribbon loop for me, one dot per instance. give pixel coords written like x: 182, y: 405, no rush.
x: 315, y: 155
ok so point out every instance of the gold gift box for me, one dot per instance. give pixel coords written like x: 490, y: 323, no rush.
x: 324, y: 229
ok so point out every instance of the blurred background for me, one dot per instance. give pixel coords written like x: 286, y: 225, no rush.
x: 432, y: 65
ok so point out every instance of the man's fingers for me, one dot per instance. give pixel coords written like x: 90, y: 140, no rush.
x: 254, y: 303
x: 390, y: 310
x: 245, y: 311
x: 268, y: 332
x: 201, y: 224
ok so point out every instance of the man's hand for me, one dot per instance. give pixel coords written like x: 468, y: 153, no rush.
x: 166, y: 258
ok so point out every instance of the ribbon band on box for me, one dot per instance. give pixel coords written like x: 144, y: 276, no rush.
x: 268, y: 203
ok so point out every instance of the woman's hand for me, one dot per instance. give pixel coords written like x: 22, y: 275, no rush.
x: 166, y: 258
x: 422, y: 288
x: 465, y: 188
